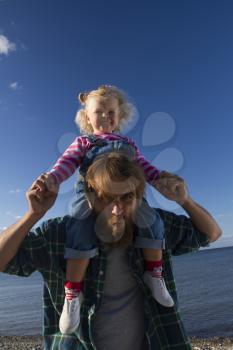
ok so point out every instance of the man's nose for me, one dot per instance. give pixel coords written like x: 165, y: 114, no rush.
x: 117, y: 209
x: 105, y: 115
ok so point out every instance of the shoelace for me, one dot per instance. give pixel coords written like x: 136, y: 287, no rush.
x: 71, y: 293
x: 157, y: 272
x: 161, y: 283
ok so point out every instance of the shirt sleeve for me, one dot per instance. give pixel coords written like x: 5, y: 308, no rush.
x: 71, y: 159
x: 30, y: 256
x: 181, y: 235
x: 39, y: 249
x: 150, y: 171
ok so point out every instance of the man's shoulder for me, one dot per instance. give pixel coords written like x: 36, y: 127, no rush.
x: 52, y: 228
x: 53, y: 222
x: 174, y: 223
x: 181, y: 234
x: 50, y: 234
x: 167, y: 215
x: 172, y: 217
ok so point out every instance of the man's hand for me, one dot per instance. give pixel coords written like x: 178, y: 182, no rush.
x: 49, y: 182
x: 172, y: 187
x: 40, y: 198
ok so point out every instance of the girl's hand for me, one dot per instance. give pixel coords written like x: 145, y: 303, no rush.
x: 172, y: 187
x: 49, y: 182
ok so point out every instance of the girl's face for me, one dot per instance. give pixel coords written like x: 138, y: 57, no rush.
x: 103, y: 114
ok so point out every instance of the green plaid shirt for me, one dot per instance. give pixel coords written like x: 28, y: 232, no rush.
x: 43, y: 250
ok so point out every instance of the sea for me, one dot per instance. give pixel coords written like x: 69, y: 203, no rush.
x: 205, y: 291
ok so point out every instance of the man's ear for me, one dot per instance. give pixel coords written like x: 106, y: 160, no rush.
x: 91, y: 196
x: 90, y: 203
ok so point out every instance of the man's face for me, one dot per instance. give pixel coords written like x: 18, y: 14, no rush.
x: 114, y: 215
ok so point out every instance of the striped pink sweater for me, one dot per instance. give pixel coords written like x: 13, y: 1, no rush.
x: 74, y: 154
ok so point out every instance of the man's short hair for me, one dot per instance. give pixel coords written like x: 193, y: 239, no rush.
x: 118, y: 169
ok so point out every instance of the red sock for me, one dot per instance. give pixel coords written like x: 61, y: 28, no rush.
x: 73, y: 289
x: 154, y: 268
x: 74, y: 285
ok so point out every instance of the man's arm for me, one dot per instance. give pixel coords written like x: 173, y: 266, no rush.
x: 202, y: 219
x: 39, y: 201
x: 174, y: 188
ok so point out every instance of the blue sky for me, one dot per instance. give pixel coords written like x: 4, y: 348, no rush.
x: 173, y: 58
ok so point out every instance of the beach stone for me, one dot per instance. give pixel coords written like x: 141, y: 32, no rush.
x: 35, y: 343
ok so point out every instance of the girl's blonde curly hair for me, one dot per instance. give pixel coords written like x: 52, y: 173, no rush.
x: 126, y: 109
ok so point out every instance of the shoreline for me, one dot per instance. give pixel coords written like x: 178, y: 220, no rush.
x: 34, y: 342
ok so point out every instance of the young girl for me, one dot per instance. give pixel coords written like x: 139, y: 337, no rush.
x: 104, y: 114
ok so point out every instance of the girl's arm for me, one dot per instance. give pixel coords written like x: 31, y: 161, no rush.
x: 151, y: 172
x: 69, y: 161
x: 153, y: 175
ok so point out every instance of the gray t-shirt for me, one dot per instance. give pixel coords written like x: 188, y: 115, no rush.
x: 119, y: 322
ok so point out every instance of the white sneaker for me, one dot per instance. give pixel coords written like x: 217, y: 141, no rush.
x: 158, y: 289
x: 70, y: 316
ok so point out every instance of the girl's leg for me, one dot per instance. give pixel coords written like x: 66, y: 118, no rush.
x: 153, y: 276
x: 153, y: 261
x: 152, y: 254
x: 81, y: 246
x: 76, y: 269
x: 75, y: 274
x: 150, y: 238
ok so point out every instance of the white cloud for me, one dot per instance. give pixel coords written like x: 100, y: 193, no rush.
x: 225, y: 215
x: 18, y: 190
x: 14, y: 85
x: 6, y: 46
x: 18, y: 217
x: 9, y: 213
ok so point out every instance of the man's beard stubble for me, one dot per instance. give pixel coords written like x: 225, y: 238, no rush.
x: 127, y: 237
x: 114, y: 233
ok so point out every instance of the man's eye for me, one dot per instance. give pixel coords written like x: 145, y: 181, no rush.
x: 105, y: 199
x: 128, y: 197
x: 111, y: 112
x: 109, y: 199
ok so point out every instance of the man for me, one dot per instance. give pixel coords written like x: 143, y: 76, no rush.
x: 118, y: 310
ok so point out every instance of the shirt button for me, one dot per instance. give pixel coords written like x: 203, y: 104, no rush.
x: 101, y: 273
x: 98, y: 295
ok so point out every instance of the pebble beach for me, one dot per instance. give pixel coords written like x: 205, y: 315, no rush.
x: 35, y: 343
